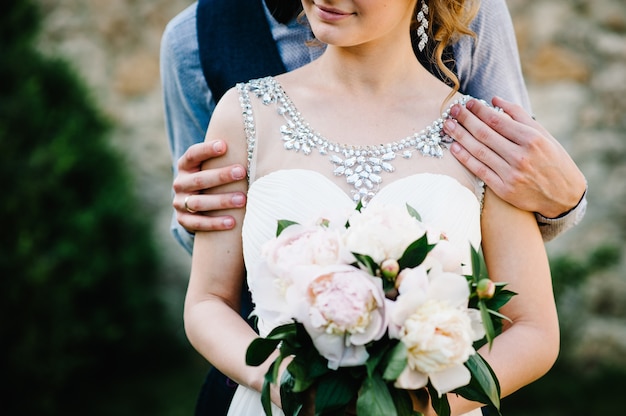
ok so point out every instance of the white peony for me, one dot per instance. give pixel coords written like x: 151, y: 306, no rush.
x: 447, y: 254
x: 382, y: 232
x: 431, y: 318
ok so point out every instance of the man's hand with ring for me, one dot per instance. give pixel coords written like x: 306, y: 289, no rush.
x: 191, y: 203
x: 189, y: 210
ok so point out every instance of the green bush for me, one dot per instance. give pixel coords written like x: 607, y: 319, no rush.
x: 79, y: 301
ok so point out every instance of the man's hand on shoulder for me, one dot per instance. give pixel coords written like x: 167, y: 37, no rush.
x: 516, y: 157
x: 193, y: 206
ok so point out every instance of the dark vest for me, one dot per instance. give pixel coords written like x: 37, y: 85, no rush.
x: 236, y: 45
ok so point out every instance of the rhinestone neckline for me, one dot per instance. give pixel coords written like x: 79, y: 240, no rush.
x: 362, y: 166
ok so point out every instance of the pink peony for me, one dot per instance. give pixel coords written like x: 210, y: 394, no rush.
x: 342, y: 309
x: 300, y: 245
x: 297, y: 247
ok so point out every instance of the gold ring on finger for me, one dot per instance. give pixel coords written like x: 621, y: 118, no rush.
x: 189, y: 210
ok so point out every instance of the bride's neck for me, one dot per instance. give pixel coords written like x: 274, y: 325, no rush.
x: 368, y: 73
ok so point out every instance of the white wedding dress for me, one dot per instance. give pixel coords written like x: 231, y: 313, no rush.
x: 297, y: 187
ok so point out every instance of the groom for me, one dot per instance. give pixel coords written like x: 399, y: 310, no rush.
x: 210, y: 46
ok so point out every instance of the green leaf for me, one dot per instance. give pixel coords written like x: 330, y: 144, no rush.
x: 490, y: 331
x: 402, y: 400
x: 291, y: 402
x: 273, y: 375
x: 413, y: 212
x: 397, y: 362
x: 359, y: 207
x: 440, y: 404
x: 368, y: 262
x: 415, y: 253
x: 266, y: 399
x: 306, y: 371
x: 374, y: 398
x: 377, y: 352
x: 335, y: 392
x: 499, y: 316
x: 296, y: 341
x: 283, y: 332
x: 500, y: 298
x: 479, y: 268
x: 282, y: 224
x: 484, y: 380
x: 259, y: 350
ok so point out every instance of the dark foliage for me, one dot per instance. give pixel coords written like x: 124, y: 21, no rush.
x: 572, y: 387
x: 566, y: 390
x: 571, y: 272
x: 79, y: 302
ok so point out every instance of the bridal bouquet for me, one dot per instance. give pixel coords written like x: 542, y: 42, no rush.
x: 371, y: 308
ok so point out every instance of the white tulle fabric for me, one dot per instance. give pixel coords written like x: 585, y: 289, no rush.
x: 300, y: 194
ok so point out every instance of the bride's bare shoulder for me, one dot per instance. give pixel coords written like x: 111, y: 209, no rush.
x: 227, y: 124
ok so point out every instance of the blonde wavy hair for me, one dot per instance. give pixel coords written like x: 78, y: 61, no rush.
x: 448, y: 21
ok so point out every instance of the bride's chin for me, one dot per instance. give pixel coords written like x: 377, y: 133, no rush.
x: 331, y: 37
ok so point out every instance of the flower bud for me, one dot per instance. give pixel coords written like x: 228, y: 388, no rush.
x: 389, y: 269
x: 485, y: 289
x: 324, y: 222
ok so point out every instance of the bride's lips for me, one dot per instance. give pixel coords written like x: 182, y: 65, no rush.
x: 330, y: 14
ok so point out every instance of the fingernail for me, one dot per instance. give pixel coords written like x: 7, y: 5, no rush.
x: 238, y: 173
x: 228, y: 222
x: 470, y: 104
x: 218, y: 146
x: 455, y: 110
x: 238, y: 200
x: 455, y: 147
x: 449, y: 126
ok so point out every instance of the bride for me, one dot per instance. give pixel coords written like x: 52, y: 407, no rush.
x: 297, y: 132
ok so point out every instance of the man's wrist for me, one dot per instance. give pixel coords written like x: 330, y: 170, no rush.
x: 552, y: 227
x: 564, y: 213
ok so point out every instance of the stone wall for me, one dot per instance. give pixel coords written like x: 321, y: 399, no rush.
x: 114, y: 45
x: 574, y: 59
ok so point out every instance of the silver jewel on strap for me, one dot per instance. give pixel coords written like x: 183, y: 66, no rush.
x: 362, y: 166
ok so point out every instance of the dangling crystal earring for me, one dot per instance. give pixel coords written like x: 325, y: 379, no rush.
x: 422, y: 29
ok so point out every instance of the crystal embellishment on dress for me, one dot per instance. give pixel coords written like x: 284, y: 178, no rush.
x: 362, y: 166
